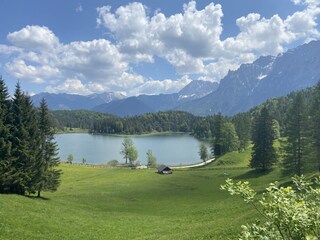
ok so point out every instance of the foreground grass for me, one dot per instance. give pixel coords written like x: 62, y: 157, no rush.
x: 100, y: 203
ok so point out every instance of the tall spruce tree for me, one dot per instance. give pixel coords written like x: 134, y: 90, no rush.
x: 28, y: 154
x: 24, y: 137
x: 242, y: 123
x: 5, y: 145
x: 47, y: 177
x: 315, y: 116
x: 263, y: 153
x: 216, y: 147
x: 295, y: 147
x: 18, y: 138
x: 30, y: 122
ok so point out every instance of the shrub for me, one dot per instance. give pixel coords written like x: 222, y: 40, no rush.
x: 289, y: 212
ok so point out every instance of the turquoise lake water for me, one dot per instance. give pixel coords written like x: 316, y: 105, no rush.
x: 171, y: 149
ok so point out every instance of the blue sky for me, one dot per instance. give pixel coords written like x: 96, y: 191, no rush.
x: 145, y: 47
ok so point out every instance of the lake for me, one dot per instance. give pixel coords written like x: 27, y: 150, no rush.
x: 171, y: 149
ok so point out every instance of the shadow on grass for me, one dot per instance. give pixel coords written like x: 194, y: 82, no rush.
x: 38, y: 198
x: 253, y: 174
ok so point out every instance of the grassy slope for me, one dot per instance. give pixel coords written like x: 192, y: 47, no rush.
x: 73, y: 130
x: 232, y: 160
x: 98, y: 203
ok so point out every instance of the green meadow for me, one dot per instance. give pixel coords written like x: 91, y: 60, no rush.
x: 116, y: 203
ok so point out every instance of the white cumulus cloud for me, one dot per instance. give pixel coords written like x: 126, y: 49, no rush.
x: 9, y: 50
x: 190, y: 41
x: 96, y: 60
x: 34, y: 38
x: 91, y: 66
x: 166, y: 86
x: 37, y: 74
x: 72, y: 86
x: 180, y: 38
x: 307, y: 2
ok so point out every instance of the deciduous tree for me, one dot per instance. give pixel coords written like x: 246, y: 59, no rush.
x: 229, y: 139
x: 127, y: 144
x: 287, y: 213
x: 151, y: 159
x: 70, y: 159
x: 132, y: 154
x: 203, y: 152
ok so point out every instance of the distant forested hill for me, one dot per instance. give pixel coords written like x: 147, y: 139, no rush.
x: 77, y: 118
x: 168, y: 121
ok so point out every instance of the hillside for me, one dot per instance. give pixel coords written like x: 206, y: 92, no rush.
x: 133, y: 106
x: 77, y: 118
x: 100, y: 203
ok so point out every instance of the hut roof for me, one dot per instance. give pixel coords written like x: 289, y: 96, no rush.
x: 163, y: 167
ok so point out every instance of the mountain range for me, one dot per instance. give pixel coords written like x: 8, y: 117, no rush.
x: 154, y: 103
x: 267, y: 77
x: 64, y: 101
x: 240, y: 90
x: 118, y: 104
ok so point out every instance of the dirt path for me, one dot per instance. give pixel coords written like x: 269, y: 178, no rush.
x: 194, y: 165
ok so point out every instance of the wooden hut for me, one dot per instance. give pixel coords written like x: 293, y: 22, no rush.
x: 163, y: 169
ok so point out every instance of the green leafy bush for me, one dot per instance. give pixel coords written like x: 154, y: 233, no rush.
x: 289, y: 212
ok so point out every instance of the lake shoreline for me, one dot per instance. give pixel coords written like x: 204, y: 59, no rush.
x: 143, y: 134
x: 87, y: 131
x: 122, y: 165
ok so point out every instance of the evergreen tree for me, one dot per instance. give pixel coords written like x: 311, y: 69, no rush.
x: 5, y: 144
x: 201, y: 128
x: 24, y: 136
x: 30, y: 123
x: 20, y: 148
x: 295, y: 147
x: 263, y: 153
x: 216, y: 134
x: 242, y: 123
x: 47, y: 176
x: 28, y: 155
x: 276, y: 129
x: 315, y: 116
